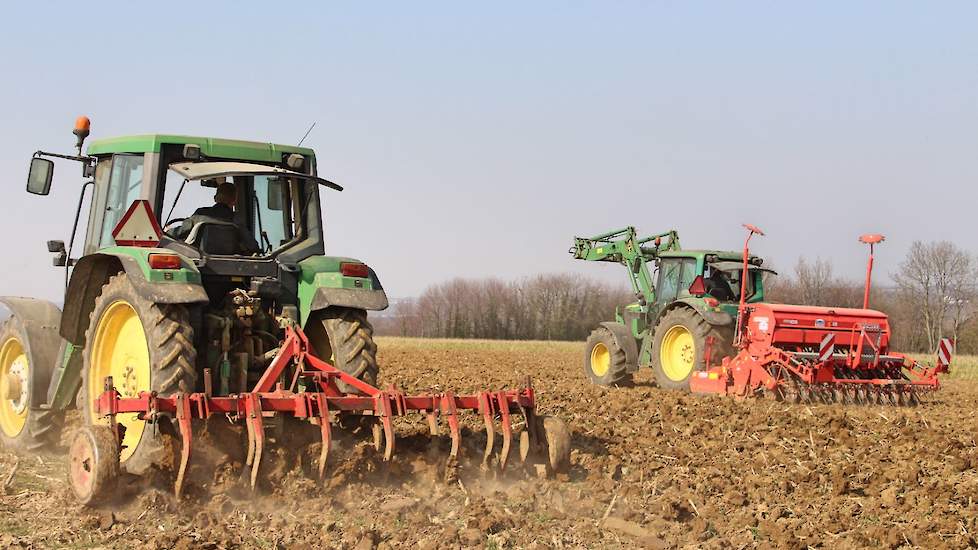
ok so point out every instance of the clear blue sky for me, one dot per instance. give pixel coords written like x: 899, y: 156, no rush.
x: 476, y: 140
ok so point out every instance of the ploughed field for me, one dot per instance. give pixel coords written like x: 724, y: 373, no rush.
x: 650, y: 468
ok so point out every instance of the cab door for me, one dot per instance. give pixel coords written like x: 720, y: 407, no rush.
x: 118, y: 182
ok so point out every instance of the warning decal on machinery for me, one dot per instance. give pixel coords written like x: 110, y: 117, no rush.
x: 138, y: 226
x: 944, y: 352
x: 827, y: 347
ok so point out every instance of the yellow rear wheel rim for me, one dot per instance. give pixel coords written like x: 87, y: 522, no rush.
x: 600, y: 359
x: 677, y: 353
x: 120, y: 350
x: 15, y: 372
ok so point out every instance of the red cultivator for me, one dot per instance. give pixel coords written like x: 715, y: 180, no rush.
x: 94, y: 453
x: 803, y: 353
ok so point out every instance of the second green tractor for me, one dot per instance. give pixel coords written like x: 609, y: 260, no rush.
x: 685, y: 313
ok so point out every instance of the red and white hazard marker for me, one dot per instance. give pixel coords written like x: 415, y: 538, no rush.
x: 945, y: 350
x: 138, y: 227
x: 827, y: 347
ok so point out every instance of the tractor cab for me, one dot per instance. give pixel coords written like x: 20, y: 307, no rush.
x: 709, y: 275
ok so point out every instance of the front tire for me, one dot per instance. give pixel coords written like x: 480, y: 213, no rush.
x: 605, y: 363
x: 143, y: 346
x: 22, y: 425
x: 679, y: 347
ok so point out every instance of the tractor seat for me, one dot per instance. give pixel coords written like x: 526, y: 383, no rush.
x: 217, y: 237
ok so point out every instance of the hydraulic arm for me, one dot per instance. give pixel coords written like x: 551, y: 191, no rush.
x: 624, y: 246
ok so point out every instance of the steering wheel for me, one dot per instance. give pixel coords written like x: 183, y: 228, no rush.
x: 173, y: 222
x: 169, y: 224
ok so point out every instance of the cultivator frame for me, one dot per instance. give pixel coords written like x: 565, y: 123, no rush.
x: 270, y: 397
x: 791, y: 353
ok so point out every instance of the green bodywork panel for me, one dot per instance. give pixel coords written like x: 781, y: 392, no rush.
x: 209, y: 147
x: 187, y: 273
x: 324, y: 272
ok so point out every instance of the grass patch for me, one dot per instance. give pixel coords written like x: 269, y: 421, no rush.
x: 963, y: 367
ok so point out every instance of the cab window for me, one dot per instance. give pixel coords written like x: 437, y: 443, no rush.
x: 675, y: 276
x: 125, y: 185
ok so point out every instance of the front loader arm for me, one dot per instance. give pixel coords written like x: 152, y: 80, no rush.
x: 625, y: 247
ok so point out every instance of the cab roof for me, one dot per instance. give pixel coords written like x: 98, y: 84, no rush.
x: 723, y: 255
x: 209, y: 147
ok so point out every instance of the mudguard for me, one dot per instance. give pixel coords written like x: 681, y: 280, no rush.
x: 715, y: 318
x: 625, y: 340
x: 91, y: 273
x: 40, y: 319
x: 371, y: 300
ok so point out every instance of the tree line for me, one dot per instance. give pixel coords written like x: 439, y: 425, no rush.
x: 933, y: 295
x: 543, y: 307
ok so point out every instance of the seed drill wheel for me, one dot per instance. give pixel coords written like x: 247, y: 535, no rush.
x: 93, y: 464
x: 143, y: 346
x: 604, y: 361
x: 21, y: 425
x: 680, y: 345
x: 553, y: 444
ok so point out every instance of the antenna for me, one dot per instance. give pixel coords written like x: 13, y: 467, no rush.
x: 306, y: 134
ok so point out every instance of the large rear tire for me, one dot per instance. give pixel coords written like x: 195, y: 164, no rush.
x: 345, y: 338
x: 679, y: 347
x: 23, y: 426
x: 605, y: 363
x: 143, y: 346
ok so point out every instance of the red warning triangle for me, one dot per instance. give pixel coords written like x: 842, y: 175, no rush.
x: 138, y: 227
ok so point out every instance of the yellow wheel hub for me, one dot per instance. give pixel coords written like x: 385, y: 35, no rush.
x: 120, y: 350
x: 15, y: 372
x: 677, y: 353
x: 600, y: 359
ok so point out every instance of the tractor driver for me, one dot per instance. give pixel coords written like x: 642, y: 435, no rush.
x: 225, y: 198
x: 239, y: 241
x: 718, y: 286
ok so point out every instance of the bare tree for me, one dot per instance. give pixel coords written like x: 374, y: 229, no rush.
x: 544, y: 307
x: 815, y: 281
x: 938, y: 280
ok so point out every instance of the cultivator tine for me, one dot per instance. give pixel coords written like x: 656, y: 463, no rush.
x: 378, y: 434
x: 507, y: 429
x: 432, y: 416
x: 256, y: 434
x: 325, y: 431
x: 383, y: 404
x: 485, y: 407
x: 448, y: 408
x: 183, y: 420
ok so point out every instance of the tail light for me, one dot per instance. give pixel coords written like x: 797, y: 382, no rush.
x: 354, y: 270
x: 711, y: 301
x: 164, y: 261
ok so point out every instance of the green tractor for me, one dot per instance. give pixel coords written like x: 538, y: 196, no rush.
x: 686, y: 311
x: 174, y: 292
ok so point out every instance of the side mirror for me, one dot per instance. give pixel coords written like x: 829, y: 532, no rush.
x: 60, y: 255
x: 40, y: 175
x: 273, y: 200
x: 698, y: 288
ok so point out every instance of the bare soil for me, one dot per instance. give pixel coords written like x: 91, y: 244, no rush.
x: 650, y: 468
